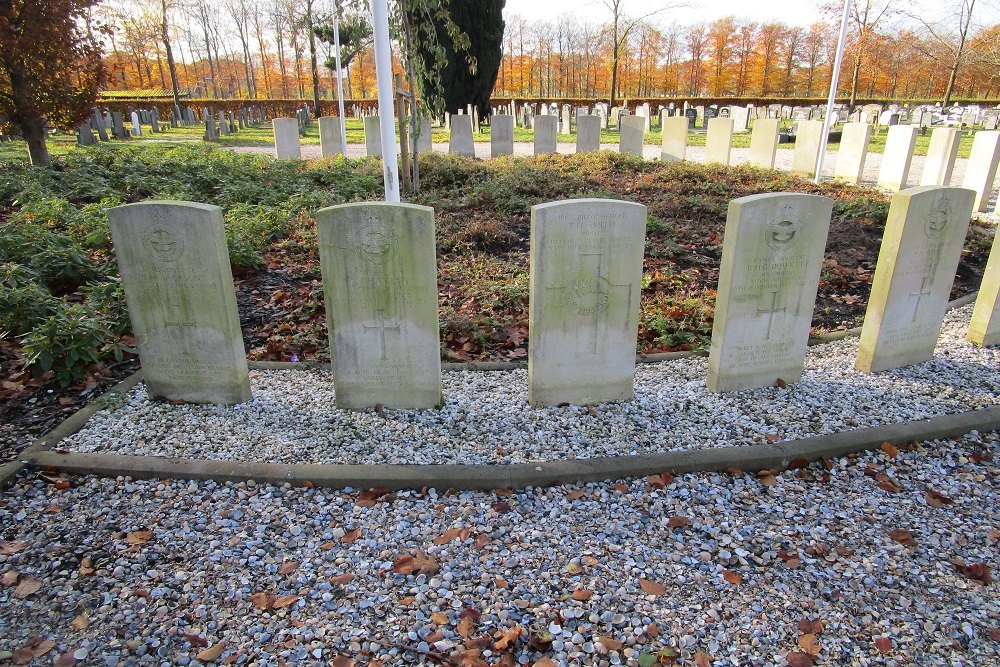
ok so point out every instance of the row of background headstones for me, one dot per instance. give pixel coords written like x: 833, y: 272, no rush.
x: 379, y: 273
x: 104, y: 125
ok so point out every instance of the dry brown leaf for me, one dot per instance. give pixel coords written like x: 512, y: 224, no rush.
x: 342, y: 661
x: 447, y: 536
x: 575, y: 495
x: 582, y: 594
x: 80, y: 622
x: 342, y: 579
x: 262, y: 600
x: 883, y: 644
x: 139, y: 537
x: 780, y: 383
x: 440, y: 617
x: 9, y: 578
x: 890, y: 449
x: 351, y: 536
x: 652, y: 587
x: 544, y: 661
x: 466, y: 625
x: 13, y: 547
x: 87, y: 567
x: 212, y: 653
x: 288, y: 567
x: 936, y: 499
x: 732, y: 577
x: 196, y: 640
x: 284, y: 601
x: 27, y: 586
x: 903, y: 536
x: 67, y: 659
x: 623, y: 488
x: 799, y: 659
x: 809, y: 644
x: 978, y: 572
x: 767, y: 480
x: 501, y: 507
x: 482, y: 541
x: 702, y: 659
x: 610, y: 643
x: 995, y: 634
x: 678, y: 522
x: 506, y: 492
x: 507, y: 638
x: 501, y: 583
x: 653, y: 630
x: 808, y: 626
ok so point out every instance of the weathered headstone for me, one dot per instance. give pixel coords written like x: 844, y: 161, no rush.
x: 460, y: 140
x: 981, y: 167
x: 630, y: 140
x: 772, y: 254
x: 853, y: 151
x: 424, y: 139
x: 287, y: 144
x: 373, y: 136
x: 223, y: 126
x: 896, y: 157
x: 174, y: 266
x: 923, y: 241
x: 567, y: 127
x: 501, y: 135
x: 764, y: 142
x: 588, y: 133
x: 941, y: 154
x: 380, y: 289
x: 84, y: 134
x: 984, y: 328
x: 586, y: 274
x: 741, y: 118
x: 331, y: 139
x: 808, y: 139
x: 136, y: 126
x: 99, y: 125
x: 719, y: 140
x: 674, y: 138
x: 545, y: 135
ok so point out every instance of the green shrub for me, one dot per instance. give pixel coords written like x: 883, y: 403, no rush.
x: 66, y: 343
x: 60, y: 263
x: 107, y: 300
x: 23, y: 302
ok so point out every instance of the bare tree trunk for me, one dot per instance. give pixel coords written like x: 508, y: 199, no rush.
x: 165, y: 35
x: 312, y: 55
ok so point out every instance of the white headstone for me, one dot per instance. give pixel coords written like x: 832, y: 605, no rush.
x: 675, y: 136
x: 896, y: 157
x: 136, y: 126
x: 923, y: 241
x: 807, y: 143
x: 586, y: 275
x: 941, y: 154
x: 772, y: 254
x: 741, y: 118
x: 174, y: 264
x: 981, y: 167
x: 630, y: 141
x: 764, y: 142
x: 425, y: 142
x: 373, y: 136
x: 719, y: 140
x: 460, y: 140
x: 545, y: 134
x: 501, y: 135
x: 380, y: 290
x: 853, y: 151
x: 588, y: 133
x: 984, y: 328
x: 331, y: 139
x: 286, y: 139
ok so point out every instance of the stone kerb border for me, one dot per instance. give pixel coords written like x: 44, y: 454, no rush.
x: 750, y: 458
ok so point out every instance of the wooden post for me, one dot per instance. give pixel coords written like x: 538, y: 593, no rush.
x: 404, y: 149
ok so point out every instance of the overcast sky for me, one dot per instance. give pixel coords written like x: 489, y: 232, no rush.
x: 794, y: 12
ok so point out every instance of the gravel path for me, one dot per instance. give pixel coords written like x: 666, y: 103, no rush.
x: 746, y: 570
x: 486, y: 418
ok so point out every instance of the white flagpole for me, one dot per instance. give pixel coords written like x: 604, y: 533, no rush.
x: 387, y: 115
x: 834, y: 80
x: 340, y: 71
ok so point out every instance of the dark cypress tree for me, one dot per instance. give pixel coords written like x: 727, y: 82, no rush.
x: 468, y: 74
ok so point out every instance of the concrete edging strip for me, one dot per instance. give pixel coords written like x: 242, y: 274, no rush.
x: 485, y: 477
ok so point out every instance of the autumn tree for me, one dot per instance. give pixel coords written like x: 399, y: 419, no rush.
x: 50, y: 67
x: 946, y: 39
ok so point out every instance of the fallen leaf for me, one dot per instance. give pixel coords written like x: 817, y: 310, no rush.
x: 342, y: 579
x: 767, y: 479
x: 80, y: 622
x: 978, y: 572
x: 447, y: 536
x: 582, y: 594
x: 288, y: 567
x: 611, y: 644
x: 652, y: 587
x: 482, y: 541
x: 139, y: 537
x: 653, y: 630
x: 342, y: 661
x: 883, y: 644
x: 903, y: 536
x: 995, y: 634
x: 620, y: 487
x: 936, y: 499
x: 212, y: 653
x: 809, y: 644
x: 732, y: 470
x: 87, y: 568
x: 501, y: 507
x: 807, y: 626
x: 466, y: 625
x: 67, y: 659
x: 799, y: 659
x: 890, y: 449
x: 262, y: 600
x: 507, y: 638
x: 678, y: 522
x: 781, y: 384
x: 27, y: 586
x: 798, y: 463
x: 544, y: 661
x: 350, y: 537
x: 9, y: 578
x: 732, y: 577
x: 61, y: 485
x: 11, y: 548
x: 440, y: 617
x: 284, y: 601
x: 507, y: 492
x: 420, y: 563
x: 575, y: 495
x: 196, y: 640
x: 702, y: 659
x: 772, y: 437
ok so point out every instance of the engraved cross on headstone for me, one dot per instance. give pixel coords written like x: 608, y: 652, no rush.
x: 770, y: 313
x: 177, y: 319
x: 589, y: 294
x: 382, y: 328
x: 924, y: 290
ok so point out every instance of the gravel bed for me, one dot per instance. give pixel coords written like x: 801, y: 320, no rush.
x: 745, y: 570
x: 292, y: 417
